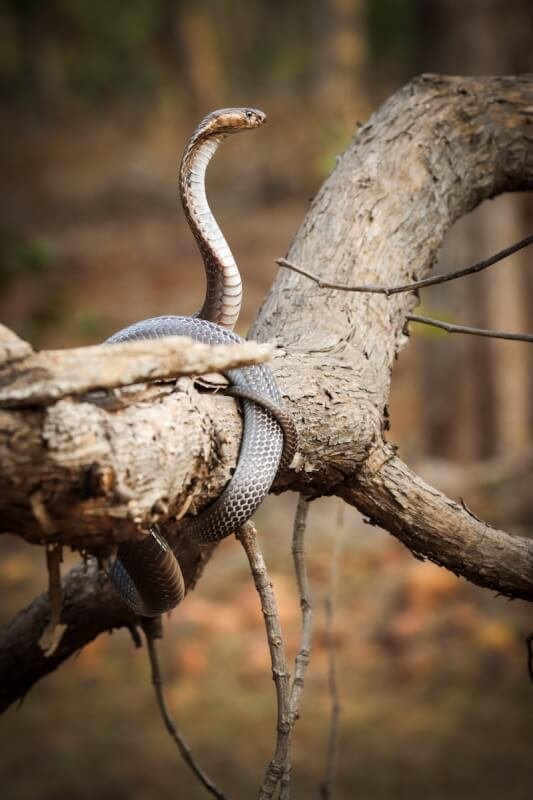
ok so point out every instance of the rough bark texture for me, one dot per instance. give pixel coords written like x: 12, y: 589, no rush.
x: 46, y: 377
x: 439, y: 529
x: 90, y: 607
x: 432, y: 153
x: 102, y: 465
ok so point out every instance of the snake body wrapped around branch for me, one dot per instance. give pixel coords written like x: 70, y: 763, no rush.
x: 146, y: 573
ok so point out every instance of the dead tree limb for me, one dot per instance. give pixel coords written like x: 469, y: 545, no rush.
x: 450, y: 327
x: 433, y: 152
x: 90, y: 607
x: 436, y: 528
x: 48, y: 376
x: 415, y: 285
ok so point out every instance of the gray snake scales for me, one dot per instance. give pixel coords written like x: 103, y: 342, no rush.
x: 146, y: 573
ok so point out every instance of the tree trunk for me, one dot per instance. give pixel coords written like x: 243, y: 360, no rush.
x: 432, y: 153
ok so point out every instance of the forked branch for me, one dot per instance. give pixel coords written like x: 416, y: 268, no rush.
x: 421, y: 284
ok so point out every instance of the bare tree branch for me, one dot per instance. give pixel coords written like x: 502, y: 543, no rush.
x: 303, y: 655
x: 51, y: 636
x: 415, y: 285
x: 247, y: 535
x: 153, y: 630
x: 452, y: 328
x: 431, y: 154
x: 300, y: 569
x: 436, y: 528
x: 326, y: 787
x: 434, y: 151
x: 90, y: 606
x: 48, y: 376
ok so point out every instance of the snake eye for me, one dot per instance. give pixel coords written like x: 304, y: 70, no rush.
x: 249, y: 114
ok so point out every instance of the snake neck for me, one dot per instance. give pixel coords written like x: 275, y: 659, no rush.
x: 224, y: 288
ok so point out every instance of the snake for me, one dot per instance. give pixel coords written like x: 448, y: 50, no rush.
x: 146, y: 572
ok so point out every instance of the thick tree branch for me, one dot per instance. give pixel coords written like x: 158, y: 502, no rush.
x: 90, y: 607
x: 434, y: 151
x: 439, y: 529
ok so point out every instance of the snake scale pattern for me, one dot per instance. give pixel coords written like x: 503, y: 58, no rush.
x: 146, y: 573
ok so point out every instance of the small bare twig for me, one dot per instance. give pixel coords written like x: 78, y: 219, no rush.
x: 421, y: 284
x: 410, y: 287
x: 451, y: 328
x: 135, y: 635
x: 301, y: 661
x: 326, y: 787
x: 40, y: 512
x: 529, y: 645
x: 247, y: 535
x: 53, y: 631
x: 51, y: 636
x: 153, y: 630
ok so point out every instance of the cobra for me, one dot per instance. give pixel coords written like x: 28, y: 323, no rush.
x: 146, y: 573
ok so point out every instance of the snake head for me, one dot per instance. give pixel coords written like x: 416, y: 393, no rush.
x: 230, y: 120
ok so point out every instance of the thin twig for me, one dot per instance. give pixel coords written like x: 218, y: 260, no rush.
x: 326, y: 787
x: 529, y: 645
x: 51, y: 636
x: 247, y: 535
x: 301, y: 662
x: 410, y: 287
x: 153, y: 630
x: 451, y: 328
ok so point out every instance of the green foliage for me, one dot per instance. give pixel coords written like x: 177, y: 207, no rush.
x: 121, y: 26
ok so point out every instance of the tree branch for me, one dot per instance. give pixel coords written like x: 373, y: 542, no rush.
x: 90, y: 606
x: 153, y: 630
x: 48, y: 376
x: 436, y: 528
x: 247, y: 535
x: 415, y: 285
x: 434, y: 151
x: 449, y: 327
x: 303, y: 656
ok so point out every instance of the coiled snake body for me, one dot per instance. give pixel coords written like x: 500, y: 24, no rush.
x: 146, y: 573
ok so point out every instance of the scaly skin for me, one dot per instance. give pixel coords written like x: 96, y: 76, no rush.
x: 147, y: 574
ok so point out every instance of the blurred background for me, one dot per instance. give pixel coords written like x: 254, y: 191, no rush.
x: 97, y: 100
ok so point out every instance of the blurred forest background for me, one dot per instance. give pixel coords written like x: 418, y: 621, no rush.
x: 97, y: 100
